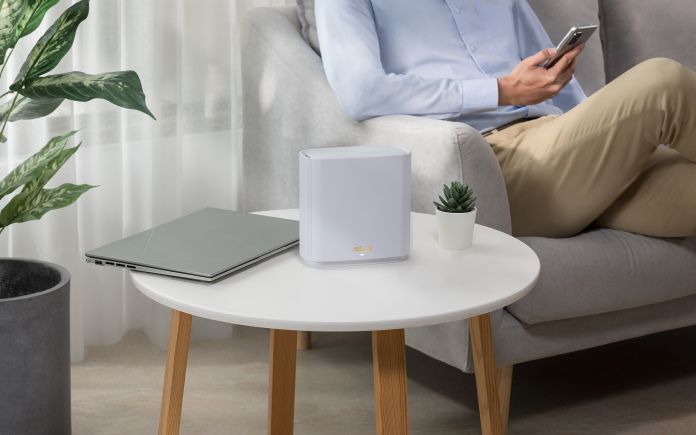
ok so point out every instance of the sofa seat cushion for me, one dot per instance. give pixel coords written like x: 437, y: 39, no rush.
x: 604, y: 270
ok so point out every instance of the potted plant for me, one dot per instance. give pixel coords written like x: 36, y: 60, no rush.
x: 456, y: 215
x: 34, y: 295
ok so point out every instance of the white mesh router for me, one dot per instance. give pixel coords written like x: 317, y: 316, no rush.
x: 355, y: 205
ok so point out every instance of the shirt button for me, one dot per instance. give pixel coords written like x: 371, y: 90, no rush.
x: 457, y: 10
x: 494, y: 77
x: 472, y: 47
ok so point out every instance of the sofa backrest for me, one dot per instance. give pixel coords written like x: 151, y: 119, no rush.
x: 636, y: 30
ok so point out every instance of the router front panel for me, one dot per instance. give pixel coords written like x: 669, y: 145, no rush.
x: 355, y: 205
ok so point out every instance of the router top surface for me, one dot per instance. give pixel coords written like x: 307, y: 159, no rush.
x: 355, y: 152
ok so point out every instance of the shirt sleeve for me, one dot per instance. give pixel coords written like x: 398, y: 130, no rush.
x: 351, y: 56
x: 532, y: 38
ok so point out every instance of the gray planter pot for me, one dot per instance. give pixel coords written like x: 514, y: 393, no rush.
x: 34, y: 348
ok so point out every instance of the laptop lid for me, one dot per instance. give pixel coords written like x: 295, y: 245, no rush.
x: 204, y: 245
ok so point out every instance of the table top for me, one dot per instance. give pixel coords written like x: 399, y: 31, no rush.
x: 432, y: 286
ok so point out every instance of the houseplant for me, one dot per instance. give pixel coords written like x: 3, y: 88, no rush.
x: 34, y: 295
x: 456, y: 215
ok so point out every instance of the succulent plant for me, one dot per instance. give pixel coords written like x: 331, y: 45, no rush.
x: 458, y: 198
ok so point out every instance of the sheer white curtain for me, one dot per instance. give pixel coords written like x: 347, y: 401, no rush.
x: 149, y: 172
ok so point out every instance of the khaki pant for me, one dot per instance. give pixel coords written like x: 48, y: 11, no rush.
x: 600, y: 162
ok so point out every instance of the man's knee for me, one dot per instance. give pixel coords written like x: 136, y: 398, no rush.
x: 663, y: 74
x: 659, y: 65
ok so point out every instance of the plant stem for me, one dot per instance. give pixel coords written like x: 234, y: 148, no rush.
x: 8, y: 92
x: 2, y: 229
x: 7, y: 58
x: 9, y: 112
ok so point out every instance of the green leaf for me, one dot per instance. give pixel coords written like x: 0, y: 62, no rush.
x: 11, y: 14
x: 31, y: 205
x: 448, y: 194
x: 38, y: 9
x: 121, y: 88
x: 19, y: 18
x: 26, y: 108
x: 34, y: 166
x: 11, y: 210
x: 4, y: 108
x: 468, y: 203
x: 29, y: 170
x: 50, y: 169
x: 466, y: 196
x: 52, y: 46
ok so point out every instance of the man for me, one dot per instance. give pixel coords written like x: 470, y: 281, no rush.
x: 576, y: 160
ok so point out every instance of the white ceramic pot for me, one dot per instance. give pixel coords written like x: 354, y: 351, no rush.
x: 455, y: 230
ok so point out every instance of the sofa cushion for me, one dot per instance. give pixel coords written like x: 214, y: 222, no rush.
x: 636, y: 30
x: 604, y: 270
x: 557, y: 17
x: 305, y: 10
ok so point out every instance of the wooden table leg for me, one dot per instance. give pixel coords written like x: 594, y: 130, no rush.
x: 391, y: 400
x: 175, y: 373
x: 504, y: 387
x: 486, y: 379
x: 304, y: 340
x: 281, y: 389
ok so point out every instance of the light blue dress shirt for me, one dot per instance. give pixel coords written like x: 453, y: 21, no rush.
x: 432, y: 58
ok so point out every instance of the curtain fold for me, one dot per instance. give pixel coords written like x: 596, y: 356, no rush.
x: 149, y: 172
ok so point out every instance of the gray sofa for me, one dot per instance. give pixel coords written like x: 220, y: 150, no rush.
x: 598, y: 287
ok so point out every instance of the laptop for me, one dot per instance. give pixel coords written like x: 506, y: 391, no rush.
x: 204, y: 245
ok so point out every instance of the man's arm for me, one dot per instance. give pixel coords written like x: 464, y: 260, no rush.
x: 351, y: 56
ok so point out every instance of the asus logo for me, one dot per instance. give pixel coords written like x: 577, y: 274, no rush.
x: 362, y: 248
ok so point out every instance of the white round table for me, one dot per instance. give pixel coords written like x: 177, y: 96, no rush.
x: 283, y: 293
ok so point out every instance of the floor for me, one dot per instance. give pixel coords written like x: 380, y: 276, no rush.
x: 641, y: 386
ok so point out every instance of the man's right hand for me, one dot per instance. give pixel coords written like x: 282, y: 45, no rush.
x: 529, y: 83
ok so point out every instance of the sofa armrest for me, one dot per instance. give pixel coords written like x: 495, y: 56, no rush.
x: 289, y: 106
x: 444, y: 151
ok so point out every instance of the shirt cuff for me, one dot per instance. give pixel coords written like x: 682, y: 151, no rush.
x: 479, y: 95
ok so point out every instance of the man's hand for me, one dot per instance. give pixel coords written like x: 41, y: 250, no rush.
x: 529, y: 83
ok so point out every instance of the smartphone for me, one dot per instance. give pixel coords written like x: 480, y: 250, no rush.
x: 575, y: 36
